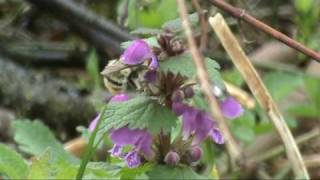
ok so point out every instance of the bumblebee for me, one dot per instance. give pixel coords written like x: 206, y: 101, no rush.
x: 118, y: 77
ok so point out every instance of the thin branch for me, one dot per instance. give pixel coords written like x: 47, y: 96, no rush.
x: 257, y: 87
x: 241, y: 14
x: 232, y: 146
x: 203, y: 24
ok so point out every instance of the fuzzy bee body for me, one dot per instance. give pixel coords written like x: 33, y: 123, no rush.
x: 119, y: 77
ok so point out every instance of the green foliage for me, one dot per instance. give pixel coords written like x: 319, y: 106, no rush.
x: 133, y: 173
x: 150, y: 14
x: 233, y: 76
x: 281, y: 84
x: 48, y: 166
x: 176, y: 24
x: 12, y: 164
x: 166, y: 172
x: 92, y: 68
x: 139, y: 112
x: 198, y: 101
x: 307, y: 19
x: 34, y: 138
x: 304, y: 6
x: 312, y: 108
x: 243, y: 127
x: 184, y: 65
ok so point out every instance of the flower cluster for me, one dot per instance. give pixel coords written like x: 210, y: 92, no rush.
x: 141, y: 140
x: 197, y: 124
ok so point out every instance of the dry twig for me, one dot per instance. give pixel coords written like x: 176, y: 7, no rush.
x: 241, y: 14
x: 257, y: 87
x: 232, y: 146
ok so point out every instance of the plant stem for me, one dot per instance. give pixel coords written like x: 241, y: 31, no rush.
x: 232, y: 146
x: 90, y: 148
x: 252, y: 78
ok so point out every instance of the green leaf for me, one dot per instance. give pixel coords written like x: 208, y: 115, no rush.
x: 304, y: 110
x: 133, y: 173
x: 40, y: 167
x: 176, y: 24
x: 139, y: 112
x: 92, y: 68
x: 303, y: 6
x: 47, y: 166
x: 150, y: 14
x: 312, y: 86
x: 244, y: 133
x: 34, y: 138
x: 199, y: 101
x: 184, y: 65
x: 281, y: 84
x: 233, y: 76
x: 243, y: 127
x: 166, y: 172
x: 12, y: 164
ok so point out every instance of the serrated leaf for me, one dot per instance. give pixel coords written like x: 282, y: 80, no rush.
x: 166, y: 172
x: 184, y: 65
x: 139, y: 112
x: 47, y: 166
x: 176, y: 24
x: 12, y: 164
x: 34, y: 138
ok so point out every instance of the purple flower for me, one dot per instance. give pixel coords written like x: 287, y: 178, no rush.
x: 132, y: 159
x: 216, y: 136
x: 138, y: 52
x: 120, y: 98
x: 196, y: 122
x: 231, y: 108
x: 196, y: 153
x: 116, y: 151
x: 172, y: 158
x: 140, y: 139
x: 151, y: 76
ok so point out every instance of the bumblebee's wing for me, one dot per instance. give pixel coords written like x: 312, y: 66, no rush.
x: 112, y: 67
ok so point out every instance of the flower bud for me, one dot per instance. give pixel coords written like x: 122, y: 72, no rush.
x: 188, y: 92
x: 172, y: 158
x: 177, y: 96
x: 196, y: 153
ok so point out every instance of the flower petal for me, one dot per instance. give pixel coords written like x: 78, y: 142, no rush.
x: 136, y: 53
x: 216, y: 136
x: 140, y: 139
x: 132, y: 159
x: 120, y: 98
x: 116, y: 151
x: 231, y: 108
